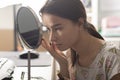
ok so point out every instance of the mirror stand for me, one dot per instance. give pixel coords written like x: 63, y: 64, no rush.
x: 24, y: 54
x: 29, y: 34
x: 27, y: 54
x: 29, y: 65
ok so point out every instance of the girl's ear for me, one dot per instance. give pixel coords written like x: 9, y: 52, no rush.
x: 81, y: 21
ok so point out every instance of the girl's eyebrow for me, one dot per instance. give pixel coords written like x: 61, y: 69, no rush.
x: 52, y: 26
x: 55, y: 25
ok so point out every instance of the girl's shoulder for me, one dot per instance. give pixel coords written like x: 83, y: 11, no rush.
x: 111, y: 48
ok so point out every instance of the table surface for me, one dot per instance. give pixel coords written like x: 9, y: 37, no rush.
x: 40, y: 67
x: 37, y: 73
x: 43, y: 60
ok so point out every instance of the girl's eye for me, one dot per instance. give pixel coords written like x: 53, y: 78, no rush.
x: 58, y: 28
x: 48, y: 30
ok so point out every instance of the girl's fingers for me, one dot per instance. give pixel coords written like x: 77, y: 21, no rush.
x: 45, y: 44
x: 48, y: 47
x: 52, y: 48
x: 57, y: 50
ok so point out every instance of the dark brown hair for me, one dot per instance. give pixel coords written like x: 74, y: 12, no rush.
x: 72, y: 10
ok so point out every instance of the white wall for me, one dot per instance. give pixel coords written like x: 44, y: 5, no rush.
x: 7, y: 17
x: 110, y: 4
x: 110, y: 8
x: 106, y: 8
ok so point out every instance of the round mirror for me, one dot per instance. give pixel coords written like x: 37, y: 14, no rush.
x: 29, y: 28
x: 29, y: 31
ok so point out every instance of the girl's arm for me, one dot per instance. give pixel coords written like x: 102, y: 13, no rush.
x: 59, y: 57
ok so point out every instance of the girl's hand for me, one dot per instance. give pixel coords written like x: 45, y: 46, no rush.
x: 54, y: 51
x: 58, y: 55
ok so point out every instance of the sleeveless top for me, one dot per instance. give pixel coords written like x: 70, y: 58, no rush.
x: 104, y: 67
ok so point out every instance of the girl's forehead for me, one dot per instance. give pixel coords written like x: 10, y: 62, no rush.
x: 52, y: 19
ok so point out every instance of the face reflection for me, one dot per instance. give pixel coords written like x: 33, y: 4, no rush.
x: 63, y: 32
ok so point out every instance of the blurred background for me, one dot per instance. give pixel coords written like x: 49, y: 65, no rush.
x: 8, y: 12
x: 103, y: 14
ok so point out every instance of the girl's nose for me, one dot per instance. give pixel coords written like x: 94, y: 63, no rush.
x: 52, y: 37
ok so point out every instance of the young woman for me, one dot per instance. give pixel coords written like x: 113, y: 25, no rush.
x: 89, y: 56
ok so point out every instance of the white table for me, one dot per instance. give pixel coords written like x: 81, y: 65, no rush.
x: 43, y: 60
x: 36, y: 73
x: 41, y: 67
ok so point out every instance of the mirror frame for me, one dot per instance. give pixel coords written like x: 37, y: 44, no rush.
x: 39, y: 25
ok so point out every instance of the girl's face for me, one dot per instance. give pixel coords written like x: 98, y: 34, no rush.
x: 63, y: 32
